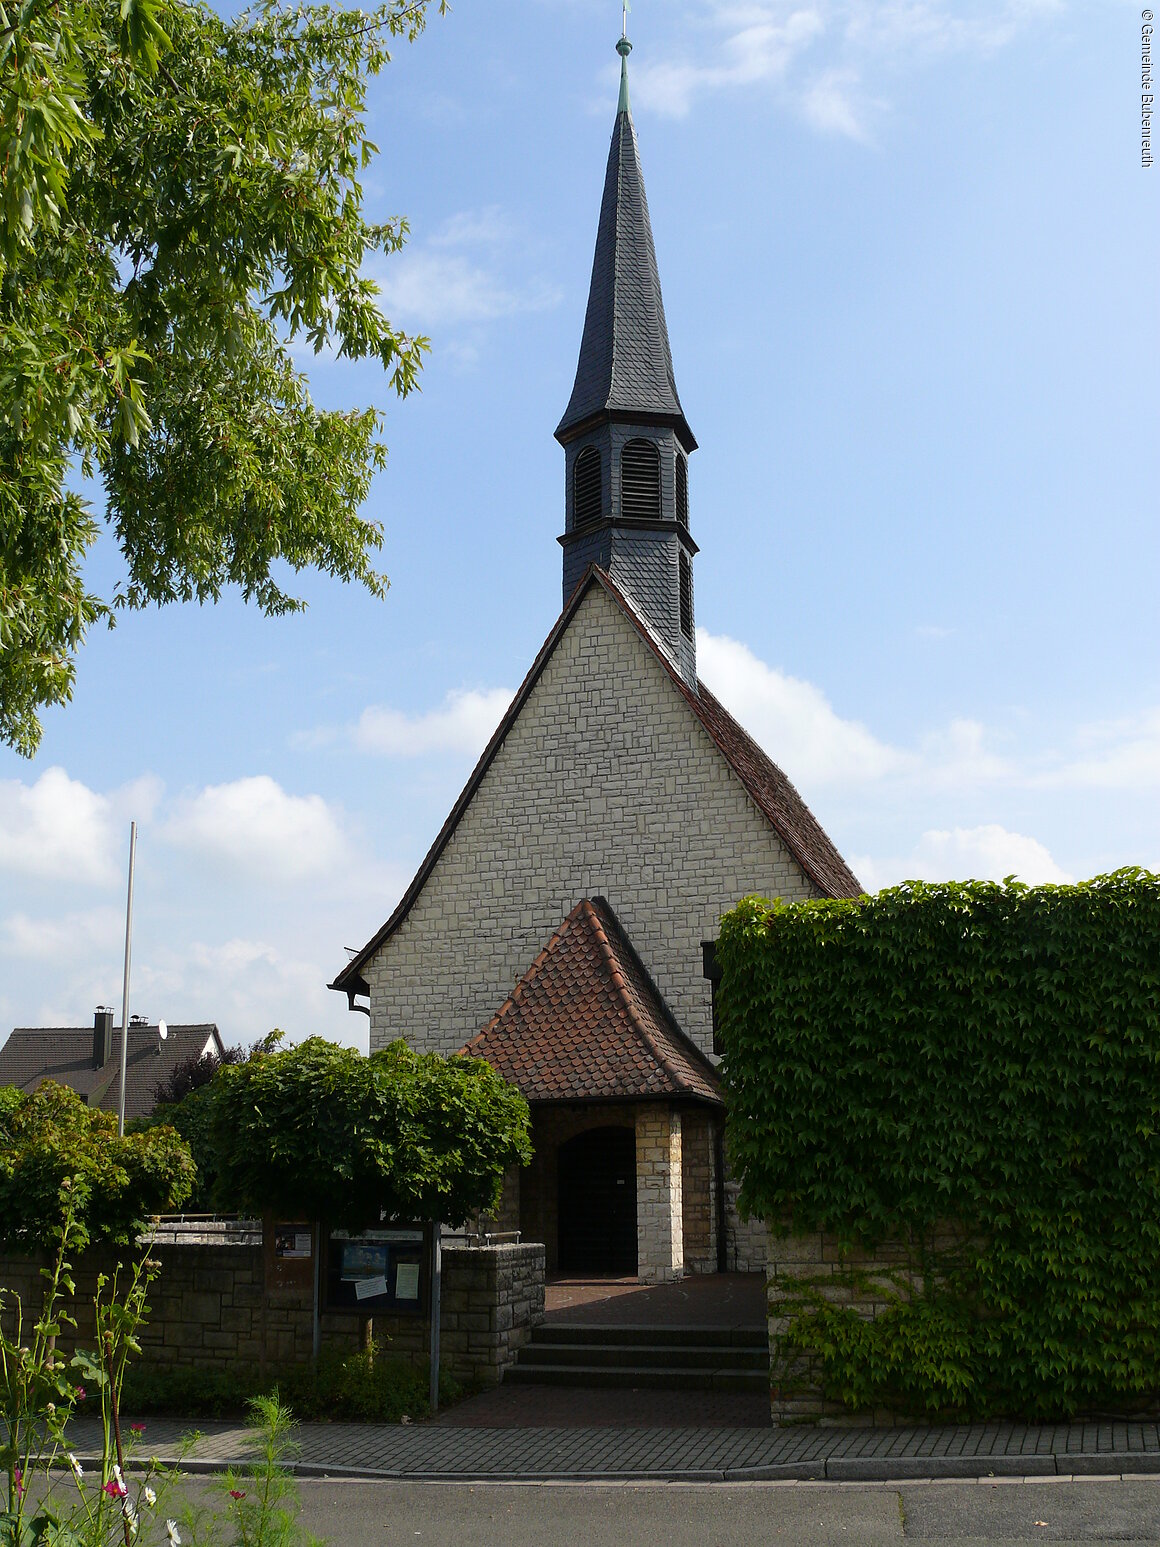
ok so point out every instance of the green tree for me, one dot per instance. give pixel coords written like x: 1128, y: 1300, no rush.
x: 59, y: 1156
x: 180, y: 198
x: 321, y: 1132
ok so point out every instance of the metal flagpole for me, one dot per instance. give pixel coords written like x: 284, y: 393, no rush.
x: 436, y: 1297
x: 125, y: 988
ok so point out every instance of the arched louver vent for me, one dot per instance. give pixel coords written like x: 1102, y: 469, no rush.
x: 686, y: 578
x: 640, y: 481
x: 586, y: 489
x: 682, y: 491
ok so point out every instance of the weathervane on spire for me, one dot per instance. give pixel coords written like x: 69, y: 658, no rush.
x: 623, y: 48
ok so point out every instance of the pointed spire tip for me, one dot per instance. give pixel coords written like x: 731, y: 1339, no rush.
x: 623, y: 48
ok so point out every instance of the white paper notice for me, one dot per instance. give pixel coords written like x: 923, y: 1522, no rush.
x: 368, y: 1288
x: 407, y: 1281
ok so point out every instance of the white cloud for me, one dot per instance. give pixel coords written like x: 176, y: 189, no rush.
x: 751, y: 44
x: 425, y: 288
x: 1119, y: 754
x: 464, y: 723
x: 986, y: 853
x: 249, y: 986
x: 792, y: 719
x: 959, y: 755
x: 816, y: 56
x: 471, y: 270
x: 830, y: 103
x: 62, y: 936
x: 59, y: 829
x: 254, y: 828
x: 487, y: 227
x: 799, y: 728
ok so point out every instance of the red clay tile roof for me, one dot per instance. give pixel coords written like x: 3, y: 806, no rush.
x: 767, y: 786
x: 586, y: 1023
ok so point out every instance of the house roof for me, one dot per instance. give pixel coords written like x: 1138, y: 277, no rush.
x: 626, y: 365
x: 33, y: 1054
x: 767, y: 786
x: 587, y: 1023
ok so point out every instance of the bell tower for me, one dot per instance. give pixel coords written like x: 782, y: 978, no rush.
x: 625, y: 437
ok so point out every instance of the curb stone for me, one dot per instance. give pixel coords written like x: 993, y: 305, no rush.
x: 837, y: 1469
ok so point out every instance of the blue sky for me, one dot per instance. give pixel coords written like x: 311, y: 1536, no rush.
x: 908, y: 259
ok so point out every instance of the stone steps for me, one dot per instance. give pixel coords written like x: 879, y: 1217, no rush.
x: 661, y: 1358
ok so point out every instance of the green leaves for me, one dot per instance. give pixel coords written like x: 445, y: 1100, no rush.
x: 322, y: 1132
x: 59, y: 1156
x: 179, y: 201
x: 980, y: 1053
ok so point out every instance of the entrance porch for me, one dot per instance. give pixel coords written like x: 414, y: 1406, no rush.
x: 620, y: 1190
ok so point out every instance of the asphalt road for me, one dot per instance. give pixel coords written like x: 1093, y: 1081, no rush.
x: 370, y: 1514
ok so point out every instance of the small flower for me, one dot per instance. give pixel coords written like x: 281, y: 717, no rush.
x: 78, y: 1469
x: 150, y: 1497
x: 171, y: 1533
x: 130, y: 1515
x: 235, y: 1494
x: 80, y: 1393
x: 19, y: 1476
x: 137, y: 1428
x: 119, y: 1478
x: 50, y: 1408
x: 114, y: 1489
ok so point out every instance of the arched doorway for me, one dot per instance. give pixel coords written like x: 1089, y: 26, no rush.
x: 596, y: 1197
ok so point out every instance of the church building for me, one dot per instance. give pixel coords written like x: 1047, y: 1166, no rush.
x: 562, y: 923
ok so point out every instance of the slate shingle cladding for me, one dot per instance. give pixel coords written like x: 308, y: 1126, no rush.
x: 587, y: 1023
x: 625, y: 363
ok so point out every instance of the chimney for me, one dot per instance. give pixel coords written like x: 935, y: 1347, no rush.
x: 102, y: 1036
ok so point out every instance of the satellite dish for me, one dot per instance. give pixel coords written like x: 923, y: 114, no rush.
x: 162, y: 1030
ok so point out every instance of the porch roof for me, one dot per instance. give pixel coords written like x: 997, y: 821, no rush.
x: 586, y: 1023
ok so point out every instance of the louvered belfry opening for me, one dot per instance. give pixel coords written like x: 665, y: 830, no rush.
x: 586, y: 490
x: 682, y: 491
x: 686, y: 583
x: 640, y: 481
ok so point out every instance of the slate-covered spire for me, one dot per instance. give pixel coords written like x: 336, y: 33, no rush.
x: 625, y: 437
x: 625, y: 362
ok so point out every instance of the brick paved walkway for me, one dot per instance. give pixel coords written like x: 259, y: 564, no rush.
x: 434, y: 1452
x: 701, y: 1300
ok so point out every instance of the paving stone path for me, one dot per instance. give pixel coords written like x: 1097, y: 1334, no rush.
x: 434, y: 1452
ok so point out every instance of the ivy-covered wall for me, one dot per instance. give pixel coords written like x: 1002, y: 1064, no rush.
x: 984, y: 1057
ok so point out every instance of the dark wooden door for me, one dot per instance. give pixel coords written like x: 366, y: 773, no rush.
x: 596, y: 1196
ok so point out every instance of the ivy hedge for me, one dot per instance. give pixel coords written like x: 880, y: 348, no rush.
x: 979, y: 1056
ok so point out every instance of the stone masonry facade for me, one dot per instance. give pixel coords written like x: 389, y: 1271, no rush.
x: 606, y: 785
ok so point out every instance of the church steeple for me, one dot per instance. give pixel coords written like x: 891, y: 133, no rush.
x: 624, y: 432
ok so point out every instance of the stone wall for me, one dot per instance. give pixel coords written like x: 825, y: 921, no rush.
x: 492, y: 1297
x: 746, y: 1240
x: 795, y: 1381
x: 212, y: 1306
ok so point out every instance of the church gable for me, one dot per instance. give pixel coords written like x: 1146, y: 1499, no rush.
x: 604, y: 780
